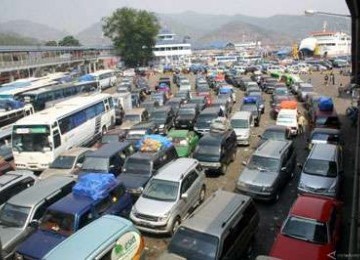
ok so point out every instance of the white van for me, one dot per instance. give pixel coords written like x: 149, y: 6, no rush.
x: 242, y: 122
x: 288, y: 118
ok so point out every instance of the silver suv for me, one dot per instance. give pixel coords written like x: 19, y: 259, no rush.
x: 169, y: 197
x: 322, y: 171
x: 269, y: 168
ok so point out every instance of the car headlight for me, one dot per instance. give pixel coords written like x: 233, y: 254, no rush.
x: 164, y: 217
x: 18, y: 256
x: 161, y: 126
x: 268, y: 189
x: 133, y: 211
x: 138, y: 190
x: 241, y: 184
x: 190, y: 122
x: 301, y: 185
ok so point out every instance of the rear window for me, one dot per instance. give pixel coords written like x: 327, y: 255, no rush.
x: 320, y: 167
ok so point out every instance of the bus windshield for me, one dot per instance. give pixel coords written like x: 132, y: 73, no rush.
x: 31, y: 138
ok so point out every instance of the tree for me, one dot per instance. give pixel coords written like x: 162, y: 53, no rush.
x: 51, y: 43
x: 133, y: 33
x: 69, y: 41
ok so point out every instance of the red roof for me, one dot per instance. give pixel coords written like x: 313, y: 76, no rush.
x: 317, y: 208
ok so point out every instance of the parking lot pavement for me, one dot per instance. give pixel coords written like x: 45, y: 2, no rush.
x: 272, y: 215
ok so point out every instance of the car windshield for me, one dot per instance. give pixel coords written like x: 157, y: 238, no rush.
x: 193, y: 245
x: 161, y: 190
x: 239, y: 123
x: 31, y: 138
x: 249, y: 107
x: 205, y: 118
x: 133, y: 118
x: 13, y: 215
x: 212, y: 150
x: 63, y: 162
x: 105, y: 139
x: 305, y: 229
x: 137, y: 166
x: 274, y: 135
x: 263, y: 163
x: 320, y: 167
x: 96, y: 164
x: 58, y: 222
x: 186, y: 111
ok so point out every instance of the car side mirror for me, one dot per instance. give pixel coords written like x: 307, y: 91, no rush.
x: 244, y: 163
x: 299, y: 165
x: 78, y: 165
x: 283, y: 169
x: 184, y: 196
x: 34, y: 224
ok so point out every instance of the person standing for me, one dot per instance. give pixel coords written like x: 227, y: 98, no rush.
x: 333, y: 78
x: 326, y: 78
x: 301, y: 123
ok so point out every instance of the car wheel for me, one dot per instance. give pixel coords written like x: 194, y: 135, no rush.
x: 223, y: 168
x: 175, y: 225
x: 103, y: 131
x: 202, y: 195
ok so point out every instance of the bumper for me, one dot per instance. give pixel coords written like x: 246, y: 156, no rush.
x: 211, y: 165
x: 202, y: 130
x: 152, y: 227
x: 317, y: 193
x: 257, y: 195
x: 293, y: 131
x: 243, y: 141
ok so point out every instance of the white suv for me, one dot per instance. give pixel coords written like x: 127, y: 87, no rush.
x: 169, y: 197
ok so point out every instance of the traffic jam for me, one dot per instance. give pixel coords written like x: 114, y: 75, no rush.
x: 230, y: 161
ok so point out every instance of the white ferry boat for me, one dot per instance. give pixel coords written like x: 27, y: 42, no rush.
x: 327, y: 44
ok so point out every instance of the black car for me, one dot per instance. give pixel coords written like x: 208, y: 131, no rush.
x: 255, y: 110
x: 215, y: 151
x: 199, y: 100
x: 274, y: 132
x: 187, y: 116
x: 164, y: 118
x: 223, y: 104
x: 175, y: 104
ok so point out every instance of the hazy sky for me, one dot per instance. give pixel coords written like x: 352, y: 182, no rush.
x: 75, y: 15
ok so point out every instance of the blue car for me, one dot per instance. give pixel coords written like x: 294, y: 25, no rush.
x: 75, y: 211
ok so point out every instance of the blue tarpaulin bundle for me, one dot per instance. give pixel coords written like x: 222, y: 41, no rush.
x: 9, y: 104
x: 250, y: 100
x: 86, y: 77
x: 164, y: 141
x: 94, y: 185
x: 225, y: 90
x: 326, y: 104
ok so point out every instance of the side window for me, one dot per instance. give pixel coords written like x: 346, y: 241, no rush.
x: 102, y: 206
x: 15, y: 189
x: 192, y: 177
x: 185, y: 185
x: 40, y: 210
x: 85, y: 219
x: 81, y: 158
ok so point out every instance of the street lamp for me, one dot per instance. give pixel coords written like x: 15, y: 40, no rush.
x: 311, y: 12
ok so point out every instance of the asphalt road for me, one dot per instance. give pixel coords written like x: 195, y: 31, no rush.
x: 272, y: 215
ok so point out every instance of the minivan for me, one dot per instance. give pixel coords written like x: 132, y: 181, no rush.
x: 109, y: 158
x: 20, y: 214
x: 268, y: 170
x: 169, y: 197
x: 205, y: 117
x: 242, y: 122
x: 75, y: 211
x: 223, y: 227
x: 107, y: 237
x: 322, y: 171
x: 13, y: 182
x: 141, y: 166
x: 215, y: 151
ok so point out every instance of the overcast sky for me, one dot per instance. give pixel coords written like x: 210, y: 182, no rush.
x: 75, y: 15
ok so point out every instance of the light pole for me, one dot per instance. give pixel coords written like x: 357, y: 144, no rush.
x: 311, y: 12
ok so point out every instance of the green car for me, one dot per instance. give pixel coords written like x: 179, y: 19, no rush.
x: 184, y: 141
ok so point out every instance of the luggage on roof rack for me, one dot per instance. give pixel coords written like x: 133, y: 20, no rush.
x: 250, y: 100
x: 152, y: 143
x: 94, y: 185
x: 220, y: 124
x: 326, y: 104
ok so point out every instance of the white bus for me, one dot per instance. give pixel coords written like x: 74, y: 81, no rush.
x: 38, y: 139
x: 105, y: 78
x: 10, y: 115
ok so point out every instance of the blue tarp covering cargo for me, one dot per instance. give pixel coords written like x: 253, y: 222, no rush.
x: 162, y: 140
x: 250, y: 100
x: 94, y: 185
x: 87, y: 77
x: 9, y: 104
x: 326, y: 104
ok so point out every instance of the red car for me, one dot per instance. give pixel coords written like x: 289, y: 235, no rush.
x: 311, y: 230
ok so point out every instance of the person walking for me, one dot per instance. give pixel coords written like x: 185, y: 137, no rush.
x: 333, y: 78
x: 301, y: 123
x: 326, y: 78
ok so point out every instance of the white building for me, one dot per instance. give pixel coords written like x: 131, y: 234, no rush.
x: 170, y: 49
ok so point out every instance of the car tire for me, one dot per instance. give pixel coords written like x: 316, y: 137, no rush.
x: 202, y: 195
x: 223, y: 169
x: 175, y: 225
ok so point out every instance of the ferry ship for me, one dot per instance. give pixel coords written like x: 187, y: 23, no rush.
x: 326, y: 44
